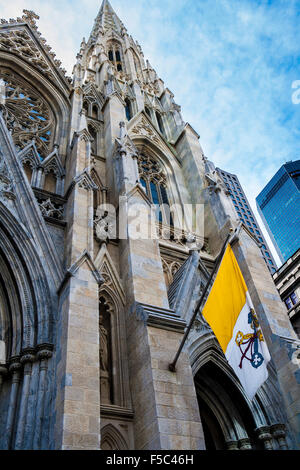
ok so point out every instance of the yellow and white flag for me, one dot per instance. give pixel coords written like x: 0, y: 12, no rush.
x: 229, y: 312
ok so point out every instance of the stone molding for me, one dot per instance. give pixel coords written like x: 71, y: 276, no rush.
x: 116, y: 412
x: 159, y: 317
x: 85, y: 257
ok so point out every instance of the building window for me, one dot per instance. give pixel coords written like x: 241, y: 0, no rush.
x: 95, y: 112
x: 288, y: 303
x: 137, y: 64
x: 160, y: 122
x: 114, y: 55
x: 94, y: 135
x: 154, y: 182
x: 128, y: 110
x: 27, y: 115
x: 111, y: 55
x: 294, y: 298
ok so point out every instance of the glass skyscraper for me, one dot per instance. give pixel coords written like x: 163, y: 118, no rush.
x: 279, y: 206
x: 246, y: 214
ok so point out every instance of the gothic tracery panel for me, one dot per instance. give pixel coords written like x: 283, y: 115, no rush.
x: 154, y: 181
x: 27, y: 115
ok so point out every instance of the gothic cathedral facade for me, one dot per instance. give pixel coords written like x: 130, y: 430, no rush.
x: 90, y: 315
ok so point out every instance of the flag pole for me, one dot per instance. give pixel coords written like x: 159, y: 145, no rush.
x: 172, y: 366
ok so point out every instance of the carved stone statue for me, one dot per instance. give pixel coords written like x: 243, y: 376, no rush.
x: 103, y: 346
x: 105, y: 380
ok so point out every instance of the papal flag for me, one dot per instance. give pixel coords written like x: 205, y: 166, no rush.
x: 229, y: 312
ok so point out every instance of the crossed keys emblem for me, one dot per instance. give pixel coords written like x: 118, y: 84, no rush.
x: 248, y: 344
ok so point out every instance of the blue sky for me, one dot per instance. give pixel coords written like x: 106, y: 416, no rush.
x: 230, y: 64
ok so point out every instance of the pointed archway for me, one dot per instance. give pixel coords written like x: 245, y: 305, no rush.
x: 227, y: 420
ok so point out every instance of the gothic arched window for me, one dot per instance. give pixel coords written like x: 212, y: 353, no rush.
x: 137, y: 64
x: 115, y: 55
x: 111, y: 55
x: 27, y: 115
x: 94, y: 135
x: 97, y: 199
x: 86, y: 107
x: 160, y: 122
x: 128, y: 109
x: 154, y: 182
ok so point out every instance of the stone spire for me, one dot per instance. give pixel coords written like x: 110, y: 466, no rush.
x: 105, y: 20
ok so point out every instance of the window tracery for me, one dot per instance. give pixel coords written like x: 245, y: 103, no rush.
x: 115, y: 55
x: 27, y: 115
x: 154, y: 182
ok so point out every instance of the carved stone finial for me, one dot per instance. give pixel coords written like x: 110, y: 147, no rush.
x: 30, y: 17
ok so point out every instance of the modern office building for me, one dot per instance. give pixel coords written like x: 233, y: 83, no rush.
x: 279, y: 206
x: 246, y: 214
x: 287, y: 281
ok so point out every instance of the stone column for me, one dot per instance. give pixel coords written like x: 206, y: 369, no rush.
x: 264, y: 435
x: 114, y: 113
x: 27, y: 359
x: 104, y: 192
x: 43, y: 355
x: 138, y: 96
x: 15, y: 368
x: 245, y: 444
x: 78, y: 369
x: 279, y: 433
x: 39, y: 178
x: 232, y: 445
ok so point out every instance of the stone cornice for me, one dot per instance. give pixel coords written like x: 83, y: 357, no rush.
x: 159, y: 317
x: 116, y: 411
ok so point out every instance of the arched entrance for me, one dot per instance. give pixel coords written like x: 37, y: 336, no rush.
x: 227, y: 421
